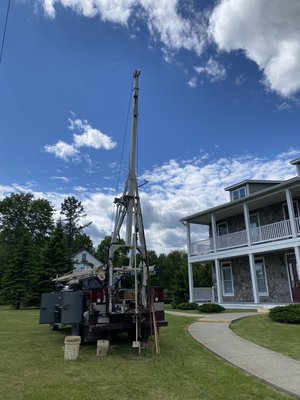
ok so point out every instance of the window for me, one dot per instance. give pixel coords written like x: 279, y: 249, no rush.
x: 261, y: 279
x: 286, y: 211
x: 222, y: 228
x: 254, y: 220
x: 238, y: 193
x: 83, y: 257
x: 227, y: 279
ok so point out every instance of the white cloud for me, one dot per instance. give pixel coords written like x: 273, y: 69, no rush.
x: 174, y: 190
x: 284, y: 106
x: 62, y: 150
x: 268, y: 32
x: 174, y: 31
x: 109, y: 10
x: 162, y: 17
x: 49, y: 8
x: 61, y: 178
x: 240, y: 80
x: 192, y: 83
x: 213, y: 69
x: 90, y: 137
x: 80, y: 189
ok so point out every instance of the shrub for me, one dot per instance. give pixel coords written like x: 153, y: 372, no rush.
x: 186, y: 306
x: 211, y: 308
x: 287, y: 314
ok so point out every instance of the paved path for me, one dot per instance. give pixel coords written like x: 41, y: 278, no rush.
x: 275, y: 369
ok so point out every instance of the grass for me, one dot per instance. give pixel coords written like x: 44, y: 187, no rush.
x: 282, y: 338
x: 32, y: 367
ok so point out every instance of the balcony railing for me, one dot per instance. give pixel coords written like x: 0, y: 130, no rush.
x: 265, y: 233
x: 235, y: 239
x: 202, y: 247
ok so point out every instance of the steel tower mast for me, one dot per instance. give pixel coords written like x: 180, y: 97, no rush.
x: 129, y: 213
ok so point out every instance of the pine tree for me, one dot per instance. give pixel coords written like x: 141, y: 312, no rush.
x: 56, y: 258
x: 73, y: 212
x: 19, y: 283
x: 83, y: 241
x: 25, y: 224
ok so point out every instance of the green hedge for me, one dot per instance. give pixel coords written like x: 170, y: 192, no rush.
x: 287, y: 314
x: 211, y: 308
x: 186, y: 306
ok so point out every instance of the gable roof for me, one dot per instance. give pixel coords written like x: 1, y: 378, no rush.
x: 252, y: 181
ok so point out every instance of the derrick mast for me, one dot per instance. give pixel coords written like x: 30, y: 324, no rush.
x: 129, y: 214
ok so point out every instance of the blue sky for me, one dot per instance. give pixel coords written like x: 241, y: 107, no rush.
x: 219, y: 102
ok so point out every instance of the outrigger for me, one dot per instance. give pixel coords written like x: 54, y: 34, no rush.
x: 96, y: 303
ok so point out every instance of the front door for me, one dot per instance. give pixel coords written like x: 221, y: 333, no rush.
x: 294, y: 279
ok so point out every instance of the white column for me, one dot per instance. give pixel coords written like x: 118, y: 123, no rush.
x: 188, y: 236
x: 297, y: 254
x: 218, y: 280
x: 247, y: 222
x: 191, y: 281
x: 253, y: 278
x: 289, y: 202
x: 214, y: 230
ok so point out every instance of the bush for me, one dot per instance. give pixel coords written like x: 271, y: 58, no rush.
x: 211, y: 308
x: 287, y: 314
x: 186, y: 306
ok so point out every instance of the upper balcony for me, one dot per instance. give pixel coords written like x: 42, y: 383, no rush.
x: 262, y: 234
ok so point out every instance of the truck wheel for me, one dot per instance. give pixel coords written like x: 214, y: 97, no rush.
x: 54, y: 327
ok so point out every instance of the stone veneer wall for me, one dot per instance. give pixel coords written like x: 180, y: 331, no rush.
x: 277, y: 280
x: 242, y: 284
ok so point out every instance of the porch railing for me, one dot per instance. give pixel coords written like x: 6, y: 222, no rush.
x: 265, y: 233
x: 235, y: 239
x: 203, y: 294
x: 202, y: 247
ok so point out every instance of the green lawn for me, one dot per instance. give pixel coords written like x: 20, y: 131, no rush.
x: 283, y: 338
x: 32, y: 367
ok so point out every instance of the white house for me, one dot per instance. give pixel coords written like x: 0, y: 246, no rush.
x: 83, y: 260
x: 252, y: 243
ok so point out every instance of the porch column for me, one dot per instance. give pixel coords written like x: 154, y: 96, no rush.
x: 297, y: 254
x: 247, y: 222
x: 188, y: 238
x: 214, y: 230
x: 191, y: 281
x: 218, y: 279
x: 253, y: 278
x: 289, y: 202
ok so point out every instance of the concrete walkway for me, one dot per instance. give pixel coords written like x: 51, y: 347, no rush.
x: 273, y: 368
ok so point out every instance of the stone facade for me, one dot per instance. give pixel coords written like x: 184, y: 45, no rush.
x: 276, y: 277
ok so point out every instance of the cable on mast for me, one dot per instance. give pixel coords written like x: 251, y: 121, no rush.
x: 4, y: 31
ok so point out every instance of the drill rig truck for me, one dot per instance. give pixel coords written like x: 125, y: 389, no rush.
x: 97, y: 303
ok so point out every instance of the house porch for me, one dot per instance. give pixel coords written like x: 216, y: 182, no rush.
x: 251, y: 281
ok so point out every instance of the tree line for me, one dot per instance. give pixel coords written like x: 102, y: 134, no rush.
x: 34, y: 249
